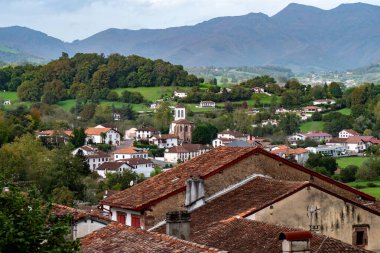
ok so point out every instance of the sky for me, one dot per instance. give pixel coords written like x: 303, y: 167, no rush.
x: 69, y: 20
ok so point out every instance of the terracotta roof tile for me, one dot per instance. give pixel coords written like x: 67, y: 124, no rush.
x: 136, y: 161
x: 128, y: 150
x: 173, y: 181
x: 165, y: 136
x: 110, y: 165
x: 248, y: 236
x: 119, y: 238
x: 97, y: 130
x: 77, y: 214
x: 351, y: 131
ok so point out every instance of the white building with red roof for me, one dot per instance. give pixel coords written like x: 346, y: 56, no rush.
x: 95, y: 135
x: 164, y: 140
x: 145, y: 133
x: 345, y: 133
x: 129, y: 152
x: 94, y: 156
x: 184, y: 152
x: 318, y: 136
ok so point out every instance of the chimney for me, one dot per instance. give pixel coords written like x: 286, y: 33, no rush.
x: 194, y: 190
x: 178, y: 224
x: 296, y: 241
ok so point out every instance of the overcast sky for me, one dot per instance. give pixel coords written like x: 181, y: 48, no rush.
x: 77, y: 19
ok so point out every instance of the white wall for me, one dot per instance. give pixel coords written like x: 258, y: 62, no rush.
x: 85, y: 227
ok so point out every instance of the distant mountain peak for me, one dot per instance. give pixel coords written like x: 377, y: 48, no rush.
x: 299, y: 36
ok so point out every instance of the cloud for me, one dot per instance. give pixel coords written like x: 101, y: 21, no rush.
x: 78, y: 19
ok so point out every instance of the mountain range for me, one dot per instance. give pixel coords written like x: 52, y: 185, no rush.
x: 299, y: 37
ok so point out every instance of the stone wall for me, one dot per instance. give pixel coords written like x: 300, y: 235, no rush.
x: 335, y: 217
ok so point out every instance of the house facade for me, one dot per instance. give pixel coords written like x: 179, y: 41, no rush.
x: 100, y: 134
x: 140, y: 165
x: 345, y: 133
x: 94, y: 156
x: 164, y: 140
x: 146, y: 133
x: 180, y: 93
x: 129, y: 152
x: 112, y: 167
x: 324, y: 102
x: 184, y: 152
x: 207, y: 104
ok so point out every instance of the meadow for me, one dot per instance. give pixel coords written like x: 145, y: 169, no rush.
x: 312, y: 126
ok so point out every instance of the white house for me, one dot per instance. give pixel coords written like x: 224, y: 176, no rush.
x: 281, y: 110
x: 164, y: 140
x: 221, y: 142
x: 227, y: 134
x: 258, y: 90
x: 7, y: 102
x: 129, y: 152
x: 83, y: 222
x: 207, y: 104
x: 324, y: 102
x: 116, y: 116
x: 140, y: 165
x: 130, y: 134
x: 299, y: 154
x: 345, y: 133
x: 358, y: 144
x: 180, y: 93
x: 146, y: 133
x: 112, y: 167
x: 295, y: 138
x: 312, y: 109
x: 94, y: 135
x: 94, y: 157
x: 184, y: 152
x: 318, y: 136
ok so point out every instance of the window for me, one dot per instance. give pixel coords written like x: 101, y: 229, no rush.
x: 121, y: 217
x: 360, y: 235
x: 135, y: 221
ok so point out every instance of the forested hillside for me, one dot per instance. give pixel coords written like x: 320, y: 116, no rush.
x: 90, y: 76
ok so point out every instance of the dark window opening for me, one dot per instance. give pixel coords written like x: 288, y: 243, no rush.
x: 360, y: 238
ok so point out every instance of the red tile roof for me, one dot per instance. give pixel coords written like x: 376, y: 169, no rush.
x: 119, y: 238
x: 317, y: 134
x: 147, y: 129
x: 137, y: 161
x: 97, y: 130
x: 77, y: 214
x: 351, y: 131
x: 187, y: 148
x: 233, y: 133
x: 248, y: 236
x: 291, y: 151
x: 165, y: 136
x: 212, y: 162
x: 128, y: 150
x: 111, y: 165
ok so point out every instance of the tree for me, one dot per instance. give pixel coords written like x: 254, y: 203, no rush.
x: 204, y: 133
x: 27, y: 225
x: 335, y: 90
x: 348, y: 174
x: 163, y: 117
x: 121, y: 181
x: 29, y: 91
x: 78, y: 137
x: 289, y: 123
x: 336, y: 122
x: 157, y: 170
x: 369, y: 170
x: 317, y: 160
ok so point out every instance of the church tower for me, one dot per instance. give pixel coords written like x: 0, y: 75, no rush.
x: 179, y: 113
x: 181, y: 127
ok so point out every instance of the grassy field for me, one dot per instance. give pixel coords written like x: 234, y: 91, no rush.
x: 70, y: 103
x: 9, y: 95
x: 374, y: 191
x: 153, y: 93
x: 345, y: 111
x: 67, y: 104
x: 312, y: 126
x: 345, y: 161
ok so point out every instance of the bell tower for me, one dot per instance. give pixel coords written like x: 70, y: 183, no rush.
x: 179, y: 113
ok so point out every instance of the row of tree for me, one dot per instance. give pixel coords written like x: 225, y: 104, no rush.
x: 90, y: 76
